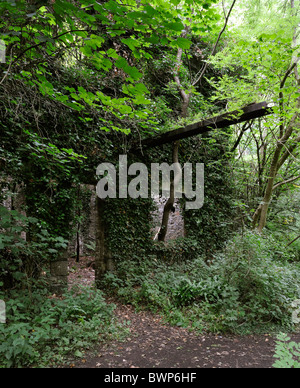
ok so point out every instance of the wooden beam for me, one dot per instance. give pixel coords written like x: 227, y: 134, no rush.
x: 249, y: 112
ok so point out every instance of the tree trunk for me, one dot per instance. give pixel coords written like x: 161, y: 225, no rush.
x: 100, y: 260
x: 170, y: 203
x: 268, y: 194
x: 186, y: 98
x: 278, y: 158
x: 185, y: 104
x: 262, y: 211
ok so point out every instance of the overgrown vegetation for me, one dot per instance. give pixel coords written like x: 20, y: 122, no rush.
x: 82, y: 82
x: 43, y: 331
x: 248, y: 287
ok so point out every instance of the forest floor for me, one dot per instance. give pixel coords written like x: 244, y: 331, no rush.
x: 151, y: 343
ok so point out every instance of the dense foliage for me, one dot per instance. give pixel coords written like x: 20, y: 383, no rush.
x: 82, y: 82
x: 44, y: 331
x: 248, y: 287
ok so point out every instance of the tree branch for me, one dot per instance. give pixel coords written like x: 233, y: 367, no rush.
x: 214, y: 50
x: 36, y: 46
x: 287, y: 74
x: 286, y: 182
x: 185, y: 96
x: 289, y: 151
x: 292, y: 242
x: 245, y: 128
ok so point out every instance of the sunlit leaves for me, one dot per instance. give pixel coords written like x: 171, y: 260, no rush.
x: 87, y: 29
x: 183, y: 43
x: 175, y: 26
x: 131, y: 43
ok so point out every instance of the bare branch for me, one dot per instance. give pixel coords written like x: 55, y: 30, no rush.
x: 214, y: 50
x: 295, y: 178
x: 292, y: 242
x: 12, y: 62
x: 244, y: 129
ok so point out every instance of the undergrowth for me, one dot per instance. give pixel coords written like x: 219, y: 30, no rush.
x: 43, y: 331
x: 287, y: 353
x: 249, y: 287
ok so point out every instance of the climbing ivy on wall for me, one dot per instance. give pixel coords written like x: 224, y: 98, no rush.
x: 211, y: 225
x: 128, y: 227
x: 77, y: 80
x: 128, y: 221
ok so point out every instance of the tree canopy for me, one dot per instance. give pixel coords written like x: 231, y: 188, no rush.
x: 83, y: 82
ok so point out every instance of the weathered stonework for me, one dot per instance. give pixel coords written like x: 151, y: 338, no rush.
x: 59, y: 276
x: 87, y: 232
x: 176, y: 220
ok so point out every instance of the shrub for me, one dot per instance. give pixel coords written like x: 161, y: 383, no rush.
x: 245, y: 288
x: 42, y: 331
x: 248, y: 288
x: 21, y: 261
x: 266, y: 286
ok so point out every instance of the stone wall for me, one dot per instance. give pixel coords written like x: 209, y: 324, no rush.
x: 59, y: 276
x: 176, y: 220
x: 87, y: 233
x: 13, y: 200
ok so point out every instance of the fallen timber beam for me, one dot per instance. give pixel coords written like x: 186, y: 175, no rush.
x: 249, y: 112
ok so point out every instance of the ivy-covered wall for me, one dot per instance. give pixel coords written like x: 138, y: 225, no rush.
x: 210, y: 226
x: 48, y: 163
x: 128, y: 222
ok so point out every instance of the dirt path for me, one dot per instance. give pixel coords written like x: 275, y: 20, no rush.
x: 153, y: 344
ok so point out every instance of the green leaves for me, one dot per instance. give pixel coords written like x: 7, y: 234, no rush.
x: 43, y: 331
x: 49, y: 156
x: 287, y: 353
x: 45, y: 86
x: 95, y: 41
x: 174, y: 26
x: 122, y: 64
x: 182, y: 43
x: 92, y: 31
x: 133, y: 44
x: 137, y: 92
